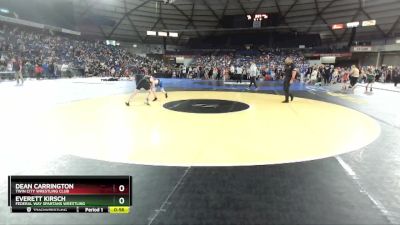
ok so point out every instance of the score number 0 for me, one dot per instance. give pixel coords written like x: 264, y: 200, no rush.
x: 121, y: 200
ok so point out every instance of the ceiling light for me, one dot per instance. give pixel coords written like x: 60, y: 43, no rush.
x: 4, y: 10
x: 353, y: 24
x: 173, y: 34
x: 162, y: 34
x: 337, y: 26
x: 151, y: 33
x: 368, y: 23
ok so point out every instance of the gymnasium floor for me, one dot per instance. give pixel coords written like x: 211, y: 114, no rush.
x: 215, y: 154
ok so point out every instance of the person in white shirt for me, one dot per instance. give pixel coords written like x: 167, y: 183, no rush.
x: 335, y: 76
x: 253, y: 75
x: 239, y: 74
x: 183, y: 74
x: 313, y: 76
x: 232, y: 70
x: 354, y: 75
x: 10, y: 66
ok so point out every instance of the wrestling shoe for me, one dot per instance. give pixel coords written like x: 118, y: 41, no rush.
x: 166, y: 95
x: 285, y: 102
x: 291, y: 98
x: 155, y: 99
x: 127, y: 103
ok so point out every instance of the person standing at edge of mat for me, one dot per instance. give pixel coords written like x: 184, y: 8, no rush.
x: 253, y: 75
x: 17, y: 68
x: 396, y: 76
x: 290, y: 75
x: 326, y: 74
x: 354, y: 76
x: 239, y: 74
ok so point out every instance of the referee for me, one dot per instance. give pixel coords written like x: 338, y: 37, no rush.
x: 290, y: 75
x: 253, y: 75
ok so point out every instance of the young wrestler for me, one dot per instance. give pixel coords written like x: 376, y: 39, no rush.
x: 370, y: 79
x: 157, y: 83
x: 146, y: 83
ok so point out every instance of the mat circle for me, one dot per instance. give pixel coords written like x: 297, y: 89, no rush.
x: 206, y: 106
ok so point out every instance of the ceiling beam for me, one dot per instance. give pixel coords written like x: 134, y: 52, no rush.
x: 135, y: 29
x: 138, y: 6
x: 393, y: 27
x: 154, y: 25
x: 223, y: 14
x: 330, y: 28
x: 152, y: 28
x: 94, y: 22
x: 377, y: 26
x: 352, y: 19
x: 199, y: 12
x: 220, y: 20
x: 319, y: 13
x: 133, y: 25
x: 211, y: 10
x: 283, y: 18
x: 189, y: 18
x: 126, y: 14
x: 161, y: 17
x: 88, y: 6
x: 258, y: 6
x: 188, y: 24
x: 290, y: 8
x: 326, y: 23
x: 242, y: 8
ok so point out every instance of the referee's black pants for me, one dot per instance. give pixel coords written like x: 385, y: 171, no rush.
x: 286, y: 89
x: 326, y: 79
x: 253, y: 81
x: 353, y: 81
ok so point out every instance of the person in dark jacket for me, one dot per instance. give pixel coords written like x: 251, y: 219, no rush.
x: 290, y: 76
x: 396, y: 76
x: 17, y: 68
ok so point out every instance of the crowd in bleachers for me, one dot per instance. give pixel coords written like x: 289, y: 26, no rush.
x: 39, y: 53
x: 47, y: 54
x: 350, y: 76
x: 269, y: 62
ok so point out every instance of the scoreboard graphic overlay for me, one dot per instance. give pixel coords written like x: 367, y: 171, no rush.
x: 70, y: 194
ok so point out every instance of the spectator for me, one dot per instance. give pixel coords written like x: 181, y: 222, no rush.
x: 396, y: 76
x: 354, y: 76
x: 253, y: 75
x: 370, y: 75
x: 38, y: 71
x: 17, y: 68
